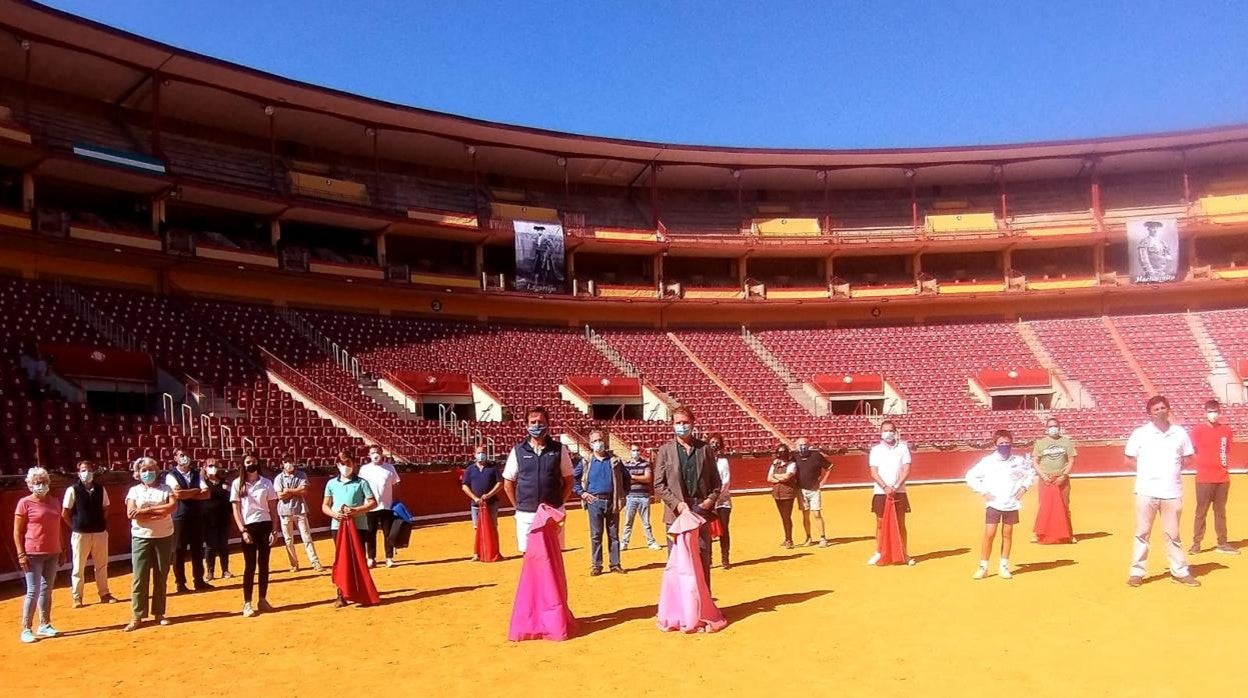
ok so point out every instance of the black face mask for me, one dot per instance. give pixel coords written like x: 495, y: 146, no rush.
x: 252, y: 468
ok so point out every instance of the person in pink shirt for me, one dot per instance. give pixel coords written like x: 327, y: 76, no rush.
x: 37, y: 538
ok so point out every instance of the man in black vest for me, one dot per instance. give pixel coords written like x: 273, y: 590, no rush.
x: 85, y: 510
x: 538, y: 471
x: 188, y: 520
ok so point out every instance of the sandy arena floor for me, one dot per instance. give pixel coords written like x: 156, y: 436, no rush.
x: 805, y: 619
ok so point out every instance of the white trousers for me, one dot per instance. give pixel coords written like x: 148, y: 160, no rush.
x: 94, y: 546
x: 524, y: 521
x: 289, y: 524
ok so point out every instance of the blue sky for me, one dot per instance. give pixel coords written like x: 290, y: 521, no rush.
x: 783, y: 74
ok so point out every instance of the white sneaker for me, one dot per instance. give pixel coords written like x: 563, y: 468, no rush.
x: 655, y: 546
x: 874, y: 559
x: 371, y: 563
x: 911, y: 561
x: 389, y: 563
x: 980, y: 573
x: 248, y: 611
x: 1004, y: 572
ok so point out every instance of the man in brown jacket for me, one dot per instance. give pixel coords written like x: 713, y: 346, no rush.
x: 685, y: 477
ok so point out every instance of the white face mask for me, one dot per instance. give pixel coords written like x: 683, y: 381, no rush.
x: 598, y: 446
x: 211, y: 470
x: 344, y: 471
x: 86, y: 476
x: 1212, y: 416
x: 888, y: 436
x: 1054, y: 432
x: 39, y: 489
x: 184, y: 460
x: 375, y: 457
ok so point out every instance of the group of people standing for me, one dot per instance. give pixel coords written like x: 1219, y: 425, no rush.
x: 189, y: 515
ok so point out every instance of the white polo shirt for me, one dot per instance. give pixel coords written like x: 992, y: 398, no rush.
x: 888, y: 462
x: 255, y: 503
x: 1159, y: 460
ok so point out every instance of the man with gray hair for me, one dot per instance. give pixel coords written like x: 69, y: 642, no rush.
x: 601, y: 483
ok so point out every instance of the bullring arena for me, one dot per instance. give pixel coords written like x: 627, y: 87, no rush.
x: 200, y: 259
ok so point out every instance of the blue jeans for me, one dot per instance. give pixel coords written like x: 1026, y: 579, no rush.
x: 601, y: 516
x: 637, y: 504
x: 492, y: 504
x: 40, y: 578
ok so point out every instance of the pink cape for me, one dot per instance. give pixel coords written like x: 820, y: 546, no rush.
x: 1052, y: 517
x: 684, y: 599
x: 541, y: 608
x: 888, y: 542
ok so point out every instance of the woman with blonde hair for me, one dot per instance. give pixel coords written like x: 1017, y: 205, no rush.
x: 149, y: 506
x: 37, y: 538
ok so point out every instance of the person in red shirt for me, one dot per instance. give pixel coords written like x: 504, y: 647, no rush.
x: 1212, y: 443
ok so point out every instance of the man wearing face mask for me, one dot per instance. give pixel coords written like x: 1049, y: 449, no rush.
x: 637, y: 503
x: 685, y: 478
x: 538, y: 471
x: 292, y: 513
x: 601, y: 483
x: 482, y: 483
x: 1212, y: 443
x: 381, y: 477
x: 1001, y: 478
x: 812, y: 473
x: 190, y: 491
x: 889, y: 461
x: 1157, y: 452
x: 85, y: 510
x: 1054, y: 457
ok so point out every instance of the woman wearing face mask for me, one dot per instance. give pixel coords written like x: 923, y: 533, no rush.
x: 782, y: 474
x: 149, y: 506
x: 255, y: 507
x: 218, y: 520
x: 37, y: 539
x: 348, y: 499
x: 482, y: 483
x: 723, y: 506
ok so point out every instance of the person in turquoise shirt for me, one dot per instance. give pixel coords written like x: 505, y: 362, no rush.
x: 347, y: 498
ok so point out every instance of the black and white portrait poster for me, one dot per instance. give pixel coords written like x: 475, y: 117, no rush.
x: 1153, y: 250
x: 539, y: 257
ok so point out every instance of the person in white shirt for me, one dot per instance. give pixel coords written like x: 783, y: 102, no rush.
x: 85, y: 510
x: 1158, y: 451
x: 723, y: 505
x: 149, y: 507
x: 889, y: 461
x: 255, y: 506
x: 381, y: 478
x: 1000, y: 478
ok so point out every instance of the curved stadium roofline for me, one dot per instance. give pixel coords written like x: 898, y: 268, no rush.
x: 43, y: 25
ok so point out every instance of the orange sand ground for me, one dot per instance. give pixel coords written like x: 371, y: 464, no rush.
x: 809, y: 619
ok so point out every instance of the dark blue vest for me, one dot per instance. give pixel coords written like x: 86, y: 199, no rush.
x: 188, y: 508
x: 88, y: 514
x: 539, y: 479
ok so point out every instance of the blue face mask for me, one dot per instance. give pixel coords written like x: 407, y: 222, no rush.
x: 1004, y: 450
x: 536, y: 430
x: 148, y: 476
x: 682, y: 429
x: 479, y: 457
